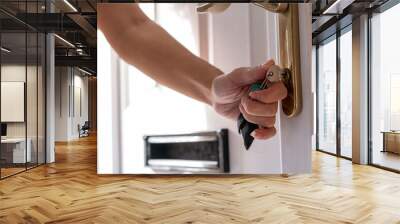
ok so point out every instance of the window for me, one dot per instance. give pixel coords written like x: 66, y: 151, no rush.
x: 346, y: 93
x: 385, y: 89
x: 334, y: 94
x: 326, y: 76
x: 394, y: 101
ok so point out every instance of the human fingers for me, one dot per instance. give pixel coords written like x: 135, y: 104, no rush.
x: 260, y: 120
x: 263, y: 133
x: 247, y: 76
x: 257, y: 108
x: 277, y: 91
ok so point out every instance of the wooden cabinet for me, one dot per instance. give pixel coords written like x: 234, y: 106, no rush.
x: 391, y: 142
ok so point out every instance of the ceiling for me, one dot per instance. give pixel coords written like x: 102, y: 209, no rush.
x: 332, y: 15
x: 74, y: 22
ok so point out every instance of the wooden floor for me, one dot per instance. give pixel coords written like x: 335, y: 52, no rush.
x: 387, y: 159
x: 69, y: 191
x: 10, y: 171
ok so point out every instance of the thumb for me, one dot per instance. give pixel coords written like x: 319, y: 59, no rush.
x: 254, y: 74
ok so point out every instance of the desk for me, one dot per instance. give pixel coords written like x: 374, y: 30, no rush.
x: 13, y: 150
x: 391, y: 141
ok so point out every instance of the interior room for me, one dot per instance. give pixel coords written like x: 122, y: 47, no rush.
x: 28, y: 56
x: 58, y: 129
x: 334, y: 66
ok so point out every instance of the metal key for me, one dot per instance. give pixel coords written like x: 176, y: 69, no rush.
x: 274, y: 74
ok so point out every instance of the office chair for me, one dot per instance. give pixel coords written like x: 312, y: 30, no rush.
x: 84, y: 130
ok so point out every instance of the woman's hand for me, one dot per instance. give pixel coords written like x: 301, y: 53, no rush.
x: 230, y: 94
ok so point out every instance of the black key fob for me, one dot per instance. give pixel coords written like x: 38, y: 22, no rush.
x: 245, y: 128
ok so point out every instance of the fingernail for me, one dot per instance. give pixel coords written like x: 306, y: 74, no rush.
x: 253, y: 134
x: 252, y: 94
x: 270, y: 62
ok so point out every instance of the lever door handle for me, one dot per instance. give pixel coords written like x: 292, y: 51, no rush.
x: 212, y: 7
x: 289, y: 48
x: 289, y: 57
x: 273, y: 7
x: 220, y: 7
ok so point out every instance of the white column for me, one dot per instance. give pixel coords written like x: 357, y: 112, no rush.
x: 50, y: 99
x: 360, y: 90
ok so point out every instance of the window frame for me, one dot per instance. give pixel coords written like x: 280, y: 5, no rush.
x: 334, y: 37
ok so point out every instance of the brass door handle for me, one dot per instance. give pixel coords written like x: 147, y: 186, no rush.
x: 273, y: 7
x: 289, y: 45
x: 212, y: 7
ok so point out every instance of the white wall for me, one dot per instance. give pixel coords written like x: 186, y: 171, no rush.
x: 61, y: 103
x: 80, y: 84
x: 33, y: 127
x: 12, y: 73
x: 68, y: 82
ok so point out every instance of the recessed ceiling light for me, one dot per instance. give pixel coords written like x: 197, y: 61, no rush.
x: 84, y: 71
x: 5, y: 50
x: 70, y: 5
x: 337, y: 7
x: 64, y: 40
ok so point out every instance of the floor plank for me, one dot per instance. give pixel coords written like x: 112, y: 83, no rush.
x: 70, y: 191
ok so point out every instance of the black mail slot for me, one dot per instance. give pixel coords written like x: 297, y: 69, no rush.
x: 194, y: 152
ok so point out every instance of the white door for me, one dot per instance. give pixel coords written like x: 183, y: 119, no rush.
x: 243, y: 35
x: 247, y: 35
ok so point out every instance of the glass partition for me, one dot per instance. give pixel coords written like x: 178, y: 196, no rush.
x: 23, y: 91
x: 14, y: 153
x: 326, y: 78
